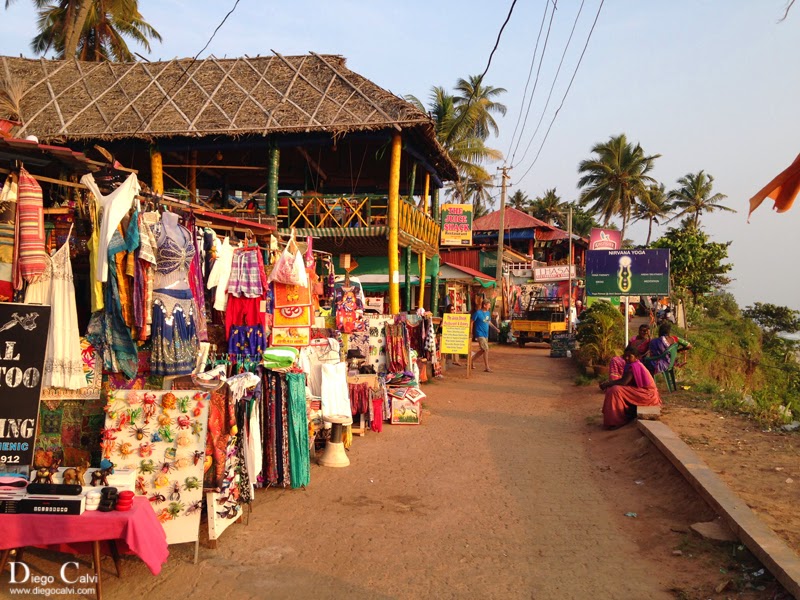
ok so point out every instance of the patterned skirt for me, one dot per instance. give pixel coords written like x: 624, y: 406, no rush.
x: 173, y: 333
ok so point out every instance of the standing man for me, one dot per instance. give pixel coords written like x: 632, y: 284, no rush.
x: 481, y: 321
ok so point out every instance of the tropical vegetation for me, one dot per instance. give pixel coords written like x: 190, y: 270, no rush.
x: 695, y: 196
x: 550, y: 208
x: 653, y: 207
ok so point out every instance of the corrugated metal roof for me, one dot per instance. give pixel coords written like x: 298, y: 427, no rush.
x: 514, y: 219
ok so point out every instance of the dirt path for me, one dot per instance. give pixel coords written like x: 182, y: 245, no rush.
x: 508, y: 490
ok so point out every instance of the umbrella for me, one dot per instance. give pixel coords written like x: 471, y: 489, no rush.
x: 783, y: 189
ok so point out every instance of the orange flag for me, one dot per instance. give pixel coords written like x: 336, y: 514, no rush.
x: 783, y: 189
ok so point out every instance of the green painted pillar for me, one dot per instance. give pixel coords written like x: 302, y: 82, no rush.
x: 412, y: 179
x: 435, y: 285
x: 272, y: 181
x: 408, y: 278
x: 435, y: 204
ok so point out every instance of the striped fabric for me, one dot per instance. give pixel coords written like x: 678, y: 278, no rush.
x: 31, y: 254
x: 340, y: 232
x: 8, y: 220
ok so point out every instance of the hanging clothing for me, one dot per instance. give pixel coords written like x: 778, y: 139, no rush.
x: 220, y: 274
x: 31, y: 256
x: 93, y: 245
x: 39, y: 291
x: 335, y: 400
x: 8, y: 222
x: 63, y: 364
x: 115, y: 206
x: 174, y: 256
x: 173, y: 333
x: 247, y: 276
x: 299, y: 455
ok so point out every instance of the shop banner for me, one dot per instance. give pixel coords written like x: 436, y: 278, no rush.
x: 456, y: 224
x: 627, y: 272
x: 605, y: 239
x: 23, y: 342
x: 455, y: 333
x: 554, y: 273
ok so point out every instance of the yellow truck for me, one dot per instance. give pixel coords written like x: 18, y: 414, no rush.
x: 542, y: 317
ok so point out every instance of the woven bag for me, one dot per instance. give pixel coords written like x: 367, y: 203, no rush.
x: 31, y: 254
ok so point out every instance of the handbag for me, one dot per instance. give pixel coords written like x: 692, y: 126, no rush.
x: 289, y: 268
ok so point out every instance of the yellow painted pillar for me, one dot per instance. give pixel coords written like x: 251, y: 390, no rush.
x: 394, y: 225
x: 156, y: 170
x: 421, y: 297
x: 426, y: 190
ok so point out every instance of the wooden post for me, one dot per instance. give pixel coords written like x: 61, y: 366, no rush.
x: 408, y: 278
x: 435, y: 205
x: 421, y: 297
x: 426, y: 190
x: 156, y: 170
x: 193, y: 176
x: 272, y: 181
x: 435, y: 285
x: 393, y: 221
x: 412, y: 179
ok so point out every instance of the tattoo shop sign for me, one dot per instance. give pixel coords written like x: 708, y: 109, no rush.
x: 23, y: 342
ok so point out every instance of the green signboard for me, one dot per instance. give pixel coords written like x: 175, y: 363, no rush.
x: 627, y: 272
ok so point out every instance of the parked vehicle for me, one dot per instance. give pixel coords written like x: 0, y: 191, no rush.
x: 541, y: 318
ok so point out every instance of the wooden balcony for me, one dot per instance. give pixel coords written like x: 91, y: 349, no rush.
x: 357, y: 216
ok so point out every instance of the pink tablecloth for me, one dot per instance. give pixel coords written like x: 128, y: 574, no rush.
x: 137, y: 531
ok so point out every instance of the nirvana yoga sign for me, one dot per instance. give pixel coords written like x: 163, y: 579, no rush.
x: 627, y: 272
x: 23, y: 341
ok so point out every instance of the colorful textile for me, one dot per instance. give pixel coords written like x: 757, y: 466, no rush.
x: 620, y: 399
x: 659, y: 346
x: 174, y: 257
x: 291, y: 295
x: 243, y: 311
x: 173, y: 332
x: 616, y: 367
x: 247, y: 274
x: 248, y: 340
x: 93, y: 245
x: 292, y: 316
x: 299, y: 456
x: 31, y: 253
x: 8, y: 222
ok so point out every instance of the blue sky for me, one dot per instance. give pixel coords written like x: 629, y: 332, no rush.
x: 708, y: 84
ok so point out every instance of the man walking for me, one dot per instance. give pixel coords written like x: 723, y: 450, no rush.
x: 481, y: 321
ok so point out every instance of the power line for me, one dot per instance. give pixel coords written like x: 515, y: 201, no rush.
x: 530, y: 73
x: 569, y: 87
x: 552, y: 87
x: 536, y: 81
x: 185, y: 72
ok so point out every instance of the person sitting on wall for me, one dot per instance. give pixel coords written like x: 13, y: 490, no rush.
x: 636, y: 387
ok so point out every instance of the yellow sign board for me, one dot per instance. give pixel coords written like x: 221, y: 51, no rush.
x: 455, y: 333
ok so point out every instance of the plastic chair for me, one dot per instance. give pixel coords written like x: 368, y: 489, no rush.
x: 669, y: 372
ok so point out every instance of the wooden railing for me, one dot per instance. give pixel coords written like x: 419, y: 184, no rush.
x: 317, y: 211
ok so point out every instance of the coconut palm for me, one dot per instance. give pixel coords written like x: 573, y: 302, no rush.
x: 519, y: 200
x: 476, y: 102
x: 549, y: 208
x: 614, y: 178
x: 694, y: 197
x: 478, y: 192
x: 102, y: 36
x: 653, y: 206
x: 75, y: 15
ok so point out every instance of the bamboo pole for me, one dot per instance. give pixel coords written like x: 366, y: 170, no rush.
x: 193, y: 176
x: 156, y: 170
x: 421, y: 299
x: 393, y: 221
x: 408, y: 278
x: 272, y: 178
x: 426, y: 190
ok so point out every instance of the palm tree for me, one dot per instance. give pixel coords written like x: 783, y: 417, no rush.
x: 614, y: 178
x: 549, y: 208
x: 463, y: 124
x: 694, y: 197
x: 478, y: 192
x: 519, y: 200
x: 106, y: 24
x: 653, y: 206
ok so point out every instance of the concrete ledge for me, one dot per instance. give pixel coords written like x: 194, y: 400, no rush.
x: 648, y: 412
x: 771, y: 550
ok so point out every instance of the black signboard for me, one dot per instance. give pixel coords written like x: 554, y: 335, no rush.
x: 560, y: 342
x: 23, y: 342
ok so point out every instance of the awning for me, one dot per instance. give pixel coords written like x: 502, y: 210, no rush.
x: 450, y: 271
x: 783, y: 189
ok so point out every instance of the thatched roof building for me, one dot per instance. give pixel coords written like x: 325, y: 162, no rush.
x: 69, y: 101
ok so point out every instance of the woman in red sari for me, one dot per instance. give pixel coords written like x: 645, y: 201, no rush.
x: 635, y: 388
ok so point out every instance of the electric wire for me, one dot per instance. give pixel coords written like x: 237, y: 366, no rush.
x: 552, y: 87
x: 530, y: 74
x: 566, y: 93
x: 536, y: 81
x: 185, y: 72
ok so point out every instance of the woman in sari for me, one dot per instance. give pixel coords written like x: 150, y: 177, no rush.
x: 636, y: 387
x: 659, y: 345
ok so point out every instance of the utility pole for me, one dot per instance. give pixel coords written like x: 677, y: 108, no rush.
x: 501, y: 230
x: 570, y: 262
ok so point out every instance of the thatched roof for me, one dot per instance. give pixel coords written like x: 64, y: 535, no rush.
x: 72, y: 100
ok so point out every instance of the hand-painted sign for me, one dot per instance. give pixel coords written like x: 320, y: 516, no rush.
x: 455, y: 333
x: 627, y: 272
x: 456, y: 224
x: 554, y: 273
x: 23, y: 341
x: 605, y: 239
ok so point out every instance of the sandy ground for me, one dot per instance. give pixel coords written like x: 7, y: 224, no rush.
x: 509, y: 489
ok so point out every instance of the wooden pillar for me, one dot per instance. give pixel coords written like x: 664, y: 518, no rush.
x: 272, y: 181
x: 156, y: 170
x: 435, y: 285
x: 421, y: 297
x: 408, y: 278
x: 394, y: 225
x: 425, y: 193
x: 193, y: 176
x: 435, y: 205
x: 530, y: 247
x: 412, y: 179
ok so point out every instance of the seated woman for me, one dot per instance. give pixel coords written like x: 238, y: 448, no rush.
x: 616, y: 368
x: 635, y: 388
x: 642, y: 341
x: 659, y: 346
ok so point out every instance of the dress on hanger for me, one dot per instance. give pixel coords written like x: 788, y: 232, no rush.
x: 173, y: 330
x: 63, y: 364
x: 221, y: 274
x: 115, y: 206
